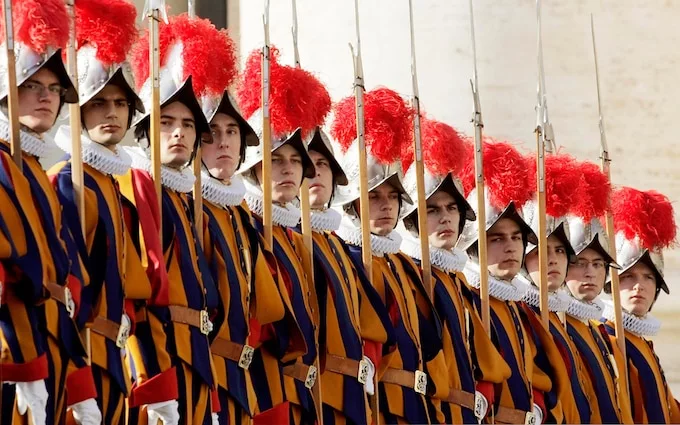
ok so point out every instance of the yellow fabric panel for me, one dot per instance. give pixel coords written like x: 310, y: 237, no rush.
x: 623, y: 393
x: 17, y: 234
x: 267, y: 305
x: 136, y: 283
x: 671, y: 410
x: 525, y: 359
x: 583, y: 329
x: 489, y: 363
x: 566, y: 394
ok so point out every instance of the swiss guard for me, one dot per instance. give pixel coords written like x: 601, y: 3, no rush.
x: 105, y: 32
x: 42, y: 275
x: 249, y: 295
x: 402, y: 371
x: 176, y: 335
x: 508, y: 185
x: 474, y: 364
x: 289, y: 370
x: 585, y: 280
x: 354, y: 323
x: 645, y: 225
x: 568, y: 399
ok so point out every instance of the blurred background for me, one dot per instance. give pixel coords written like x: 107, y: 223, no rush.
x: 638, y: 46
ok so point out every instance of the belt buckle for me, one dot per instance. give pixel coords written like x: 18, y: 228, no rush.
x: 420, y: 384
x: 530, y: 419
x: 68, y: 302
x: 206, y: 324
x: 123, y: 332
x: 362, y: 376
x: 480, y: 409
x: 311, y: 377
x: 246, y: 357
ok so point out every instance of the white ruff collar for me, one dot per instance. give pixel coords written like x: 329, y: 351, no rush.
x: 288, y: 216
x: 585, y: 311
x: 641, y: 326
x: 447, y: 260
x: 95, y: 155
x: 558, y: 301
x: 222, y: 194
x: 30, y: 142
x: 327, y: 220
x: 380, y: 245
x: 499, y: 289
x: 178, y: 181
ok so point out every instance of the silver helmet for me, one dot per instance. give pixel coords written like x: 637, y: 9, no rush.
x: 36, y: 46
x: 378, y: 173
x: 320, y: 142
x: 225, y: 104
x: 647, y: 226
x: 555, y: 226
x: 470, y: 234
x: 589, y: 235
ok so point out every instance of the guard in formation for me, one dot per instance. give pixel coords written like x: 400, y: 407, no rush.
x: 131, y: 311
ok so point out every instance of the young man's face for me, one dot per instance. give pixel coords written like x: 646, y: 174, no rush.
x: 321, y: 186
x: 223, y: 154
x: 557, y: 264
x: 383, y: 209
x: 505, y: 249
x: 638, y: 287
x: 443, y: 218
x: 39, y: 99
x: 585, y: 277
x: 106, y: 116
x: 178, y: 135
x: 286, y: 174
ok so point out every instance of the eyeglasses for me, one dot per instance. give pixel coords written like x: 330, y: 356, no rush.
x: 39, y: 89
x: 582, y: 264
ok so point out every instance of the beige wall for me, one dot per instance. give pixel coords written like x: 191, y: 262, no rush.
x: 638, y: 48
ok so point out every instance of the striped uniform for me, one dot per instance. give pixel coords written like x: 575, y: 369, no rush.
x: 169, y: 344
x: 417, y: 334
x: 473, y: 363
x: 599, y: 358
x: 650, y: 396
x: 527, y: 384
x: 344, y: 300
x: 295, y: 284
x: 117, y: 280
x: 51, y: 260
x: 249, y: 299
x: 567, y: 401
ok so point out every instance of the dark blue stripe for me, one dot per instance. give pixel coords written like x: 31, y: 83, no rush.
x: 180, y: 242
x: 102, y: 263
x: 605, y: 400
x: 414, y: 406
x: 582, y: 403
x: 327, y: 281
x: 446, y: 308
x: 520, y: 390
x: 652, y: 401
x: 238, y: 327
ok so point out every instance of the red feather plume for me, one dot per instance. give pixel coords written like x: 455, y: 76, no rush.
x: 647, y: 215
x: 443, y: 148
x: 39, y: 24
x: 388, y: 124
x: 506, y: 175
x: 297, y: 98
x: 208, y: 54
x: 562, y: 183
x: 597, y: 190
x: 109, y: 25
